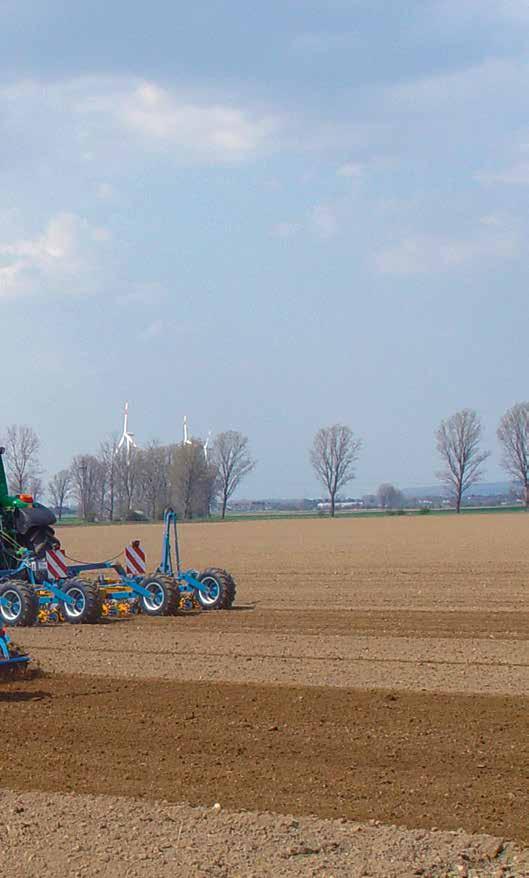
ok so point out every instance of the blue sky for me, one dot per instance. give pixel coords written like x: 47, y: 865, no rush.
x: 269, y: 217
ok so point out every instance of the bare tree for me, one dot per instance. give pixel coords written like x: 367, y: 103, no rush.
x: 231, y: 455
x: 187, y: 475
x: 87, y: 473
x: 389, y: 497
x: 458, y: 443
x: 127, y: 472
x: 154, y: 478
x: 36, y: 487
x: 513, y: 434
x: 59, y: 488
x: 333, y: 455
x: 211, y: 486
x: 107, y: 458
x: 22, y: 449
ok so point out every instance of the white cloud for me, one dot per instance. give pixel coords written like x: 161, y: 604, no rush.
x: 219, y: 131
x: 92, y: 118
x: 424, y: 254
x: 206, y: 131
x: 324, y: 221
x: 59, y: 260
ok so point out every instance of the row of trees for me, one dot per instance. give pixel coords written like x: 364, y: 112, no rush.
x: 335, y: 451
x: 115, y: 482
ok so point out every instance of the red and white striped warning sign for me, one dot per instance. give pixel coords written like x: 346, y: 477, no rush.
x: 57, y: 566
x: 135, y: 559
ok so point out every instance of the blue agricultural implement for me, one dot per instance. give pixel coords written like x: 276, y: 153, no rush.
x: 13, y: 661
x: 44, y: 587
x: 211, y: 589
x: 30, y: 594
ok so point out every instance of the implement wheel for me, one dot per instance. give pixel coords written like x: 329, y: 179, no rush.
x: 19, y: 605
x: 164, y: 597
x: 231, y: 592
x: 87, y: 605
x: 220, y: 589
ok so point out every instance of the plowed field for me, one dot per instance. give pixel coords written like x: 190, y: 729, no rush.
x: 373, y: 672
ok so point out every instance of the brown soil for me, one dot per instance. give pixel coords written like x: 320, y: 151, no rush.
x: 372, y: 671
x: 415, y: 760
x: 473, y: 624
x: 476, y: 562
x: 271, y: 646
x: 80, y: 835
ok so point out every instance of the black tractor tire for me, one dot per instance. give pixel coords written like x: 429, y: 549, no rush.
x: 165, y: 597
x: 88, y: 604
x: 23, y: 609
x: 221, y: 589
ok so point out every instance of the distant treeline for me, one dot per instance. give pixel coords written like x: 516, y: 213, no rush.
x: 128, y: 482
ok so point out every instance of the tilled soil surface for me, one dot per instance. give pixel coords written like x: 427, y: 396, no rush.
x: 372, y: 670
x: 271, y: 646
x: 417, y: 760
x: 478, y: 562
x: 80, y: 835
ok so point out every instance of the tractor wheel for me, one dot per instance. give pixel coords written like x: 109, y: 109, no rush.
x: 87, y: 606
x: 164, y: 599
x: 20, y: 604
x: 220, y: 589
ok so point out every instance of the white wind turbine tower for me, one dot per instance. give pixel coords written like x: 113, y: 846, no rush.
x: 205, y: 446
x: 187, y: 440
x: 127, y: 439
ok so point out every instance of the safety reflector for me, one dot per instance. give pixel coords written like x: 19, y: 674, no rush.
x: 135, y: 559
x: 56, y: 563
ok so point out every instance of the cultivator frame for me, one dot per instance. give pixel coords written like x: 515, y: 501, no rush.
x: 213, y: 589
x: 28, y: 594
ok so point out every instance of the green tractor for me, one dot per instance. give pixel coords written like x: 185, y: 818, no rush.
x: 24, y: 525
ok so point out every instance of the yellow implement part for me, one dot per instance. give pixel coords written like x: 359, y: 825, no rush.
x: 116, y: 608
x: 47, y: 614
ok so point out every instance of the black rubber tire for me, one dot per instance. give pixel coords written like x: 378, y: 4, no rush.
x: 40, y: 540
x: 165, y: 596
x: 232, y: 591
x: 88, y: 608
x: 225, y: 589
x: 26, y: 610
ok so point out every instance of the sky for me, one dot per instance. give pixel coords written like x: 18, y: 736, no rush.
x: 270, y: 217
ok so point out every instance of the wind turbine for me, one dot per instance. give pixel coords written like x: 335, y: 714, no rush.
x: 187, y: 440
x: 127, y: 438
x: 205, y: 447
